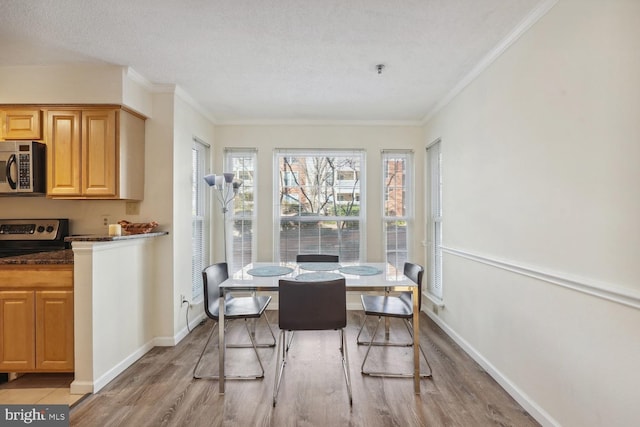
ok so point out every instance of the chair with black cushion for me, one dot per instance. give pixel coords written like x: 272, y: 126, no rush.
x: 312, y: 258
x: 235, y: 308
x: 392, y: 306
x: 317, y: 258
x: 311, y: 306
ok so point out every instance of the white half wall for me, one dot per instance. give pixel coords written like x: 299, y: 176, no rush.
x: 114, y: 287
x: 540, y: 215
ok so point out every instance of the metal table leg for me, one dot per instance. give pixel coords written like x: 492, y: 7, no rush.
x: 221, y: 346
x: 416, y: 342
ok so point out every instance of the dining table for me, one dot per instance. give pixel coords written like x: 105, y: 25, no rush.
x: 359, y: 277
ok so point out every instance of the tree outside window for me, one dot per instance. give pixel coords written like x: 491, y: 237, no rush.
x: 319, y: 204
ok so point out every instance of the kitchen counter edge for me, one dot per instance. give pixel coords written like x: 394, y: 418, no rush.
x: 102, y: 238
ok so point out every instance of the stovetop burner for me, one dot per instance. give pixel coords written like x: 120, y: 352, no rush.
x: 27, y: 236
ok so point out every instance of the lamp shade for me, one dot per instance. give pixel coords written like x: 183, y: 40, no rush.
x: 210, y: 179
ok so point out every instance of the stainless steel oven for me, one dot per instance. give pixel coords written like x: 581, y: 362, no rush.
x: 22, y: 168
x: 27, y: 236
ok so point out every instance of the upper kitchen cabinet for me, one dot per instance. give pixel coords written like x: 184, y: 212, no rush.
x: 21, y: 124
x: 95, y: 153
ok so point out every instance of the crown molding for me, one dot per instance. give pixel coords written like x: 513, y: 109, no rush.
x: 134, y: 76
x: 183, y: 95
x: 306, y: 122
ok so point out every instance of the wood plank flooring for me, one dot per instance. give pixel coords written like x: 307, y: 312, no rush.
x: 159, y: 390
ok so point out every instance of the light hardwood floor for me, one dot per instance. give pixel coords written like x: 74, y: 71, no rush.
x: 159, y: 388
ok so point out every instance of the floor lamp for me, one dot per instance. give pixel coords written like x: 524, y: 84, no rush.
x: 226, y: 189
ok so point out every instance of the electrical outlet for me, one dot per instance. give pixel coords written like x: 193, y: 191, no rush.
x: 106, y: 220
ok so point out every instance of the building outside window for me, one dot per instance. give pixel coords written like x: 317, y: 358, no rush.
x: 397, y: 205
x: 318, y: 204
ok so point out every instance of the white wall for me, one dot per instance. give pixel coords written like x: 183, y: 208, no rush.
x: 541, y: 208
x: 113, y: 308
x: 370, y: 138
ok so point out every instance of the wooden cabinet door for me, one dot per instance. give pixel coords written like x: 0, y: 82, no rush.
x: 21, y: 124
x: 63, y: 153
x: 99, y: 153
x: 54, y: 330
x: 17, y: 331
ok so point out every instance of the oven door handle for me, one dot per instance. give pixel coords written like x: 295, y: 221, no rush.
x: 12, y: 160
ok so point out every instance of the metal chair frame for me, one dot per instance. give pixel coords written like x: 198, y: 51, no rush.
x: 415, y: 273
x: 314, y: 294
x: 222, y: 273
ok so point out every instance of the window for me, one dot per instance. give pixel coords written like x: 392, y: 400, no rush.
x: 316, y: 209
x: 397, y: 207
x: 241, y: 218
x: 199, y: 216
x: 434, y: 159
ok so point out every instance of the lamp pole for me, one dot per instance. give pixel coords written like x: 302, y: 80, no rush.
x: 225, y: 189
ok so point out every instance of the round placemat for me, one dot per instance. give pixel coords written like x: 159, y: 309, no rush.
x: 318, y: 276
x: 319, y: 266
x: 270, y: 271
x: 360, y: 270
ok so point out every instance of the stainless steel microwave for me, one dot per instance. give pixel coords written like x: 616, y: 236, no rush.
x: 22, y: 168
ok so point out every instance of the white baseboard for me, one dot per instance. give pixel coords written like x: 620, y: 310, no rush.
x: 108, y: 376
x: 514, y: 391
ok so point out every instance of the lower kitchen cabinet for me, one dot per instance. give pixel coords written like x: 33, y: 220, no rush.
x: 54, y: 330
x: 18, y: 331
x: 36, y: 333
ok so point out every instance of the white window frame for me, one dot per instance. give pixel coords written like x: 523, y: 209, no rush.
x: 294, y: 153
x: 408, y: 210
x: 229, y: 155
x: 434, y: 226
x: 201, y: 215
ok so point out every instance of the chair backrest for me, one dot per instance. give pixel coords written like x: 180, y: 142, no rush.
x: 415, y: 273
x: 212, y: 276
x: 317, y: 258
x: 312, y: 306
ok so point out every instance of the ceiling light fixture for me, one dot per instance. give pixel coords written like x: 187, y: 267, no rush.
x: 380, y: 67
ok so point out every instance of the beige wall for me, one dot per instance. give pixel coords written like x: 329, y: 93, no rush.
x: 541, y: 209
x: 372, y: 139
x: 188, y: 123
x: 61, y: 84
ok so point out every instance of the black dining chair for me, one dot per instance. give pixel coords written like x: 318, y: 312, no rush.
x: 235, y: 308
x: 392, y: 306
x: 300, y: 258
x: 311, y: 306
x: 317, y: 258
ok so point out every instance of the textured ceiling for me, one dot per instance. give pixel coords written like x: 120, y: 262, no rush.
x: 273, y: 59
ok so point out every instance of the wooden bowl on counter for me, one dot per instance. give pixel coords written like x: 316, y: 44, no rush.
x: 137, y: 227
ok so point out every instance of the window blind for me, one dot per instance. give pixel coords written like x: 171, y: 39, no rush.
x: 434, y: 157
